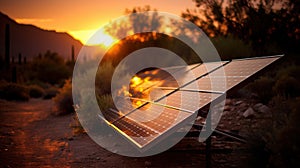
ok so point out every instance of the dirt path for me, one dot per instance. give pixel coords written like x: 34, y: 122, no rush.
x: 31, y: 137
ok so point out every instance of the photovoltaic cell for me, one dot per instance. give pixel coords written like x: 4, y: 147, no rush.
x: 188, y: 101
x: 230, y: 75
x: 215, y: 84
x: 141, y: 132
x: 188, y: 75
x: 244, y: 67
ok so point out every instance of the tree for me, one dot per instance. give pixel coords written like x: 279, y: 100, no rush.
x: 50, y: 68
x: 261, y: 23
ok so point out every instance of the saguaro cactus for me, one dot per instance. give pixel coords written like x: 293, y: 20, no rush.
x: 14, y: 75
x: 73, y: 54
x: 7, y: 46
x: 20, y: 59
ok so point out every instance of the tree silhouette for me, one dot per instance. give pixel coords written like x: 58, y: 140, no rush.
x: 260, y: 23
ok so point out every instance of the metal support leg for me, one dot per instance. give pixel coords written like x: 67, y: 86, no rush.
x: 208, y: 152
x: 208, y: 141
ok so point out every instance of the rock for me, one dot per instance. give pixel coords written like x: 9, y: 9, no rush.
x: 227, y: 108
x: 263, y: 109
x: 258, y: 105
x: 228, y: 101
x: 147, y: 163
x: 225, y: 113
x: 248, y: 113
x: 238, y: 102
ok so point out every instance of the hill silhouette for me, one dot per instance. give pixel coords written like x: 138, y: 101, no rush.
x: 31, y: 40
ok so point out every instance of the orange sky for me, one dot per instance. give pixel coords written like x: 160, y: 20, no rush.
x: 78, y: 17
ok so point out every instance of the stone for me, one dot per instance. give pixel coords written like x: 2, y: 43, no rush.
x: 248, y: 113
x: 227, y: 108
x: 238, y: 102
x: 261, y: 108
x: 147, y: 163
x: 258, y: 105
x: 228, y: 102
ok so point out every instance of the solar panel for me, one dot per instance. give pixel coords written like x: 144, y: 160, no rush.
x: 217, y: 84
x: 142, y: 128
x: 167, y: 110
x: 235, y: 72
x: 188, y: 75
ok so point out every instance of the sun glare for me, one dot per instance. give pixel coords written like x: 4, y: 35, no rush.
x: 102, y: 38
x: 94, y: 37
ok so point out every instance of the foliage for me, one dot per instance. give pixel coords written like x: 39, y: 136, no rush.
x: 36, y: 91
x: 288, y: 81
x: 231, y: 48
x: 64, y: 100
x: 262, y: 88
x: 135, y: 40
x: 50, y: 92
x: 105, y: 101
x: 259, y: 23
x: 50, y: 68
x: 283, y: 140
x: 12, y: 91
x: 103, y: 78
x: 76, y: 126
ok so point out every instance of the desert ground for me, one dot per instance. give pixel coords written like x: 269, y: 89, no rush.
x: 31, y: 136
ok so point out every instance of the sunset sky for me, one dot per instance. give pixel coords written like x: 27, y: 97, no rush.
x: 78, y: 17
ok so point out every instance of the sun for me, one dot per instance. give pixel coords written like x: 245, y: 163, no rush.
x: 94, y: 37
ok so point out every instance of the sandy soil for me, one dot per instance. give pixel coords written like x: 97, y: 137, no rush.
x: 31, y: 137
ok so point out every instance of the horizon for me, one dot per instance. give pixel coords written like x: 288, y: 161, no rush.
x: 82, y: 25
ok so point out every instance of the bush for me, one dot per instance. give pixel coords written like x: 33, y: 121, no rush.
x: 49, y: 69
x: 64, y: 100
x: 103, y: 78
x: 284, y: 138
x: 230, y: 48
x: 50, y: 92
x: 12, y: 91
x: 105, y: 101
x: 36, y: 91
x: 262, y: 87
x: 76, y: 126
x: 288, y: 82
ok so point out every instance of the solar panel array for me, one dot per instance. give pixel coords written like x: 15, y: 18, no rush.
x: 196, y: 86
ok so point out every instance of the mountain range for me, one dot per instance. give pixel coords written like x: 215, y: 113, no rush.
x: 31, y: 41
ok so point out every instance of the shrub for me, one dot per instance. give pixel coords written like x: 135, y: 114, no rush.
x: 49, y: 69
x: 263, y: 88
x: 64, y: 100
x: 288, y: 82
x: 230, y: 48
x: 36, y: 91
x: 285, y: 135
x: 105, y: 101
x: 287, y: 86
x: 50, y: 92
x: 12, y: 91
x: 76, y: 126
x: 103, y: 78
